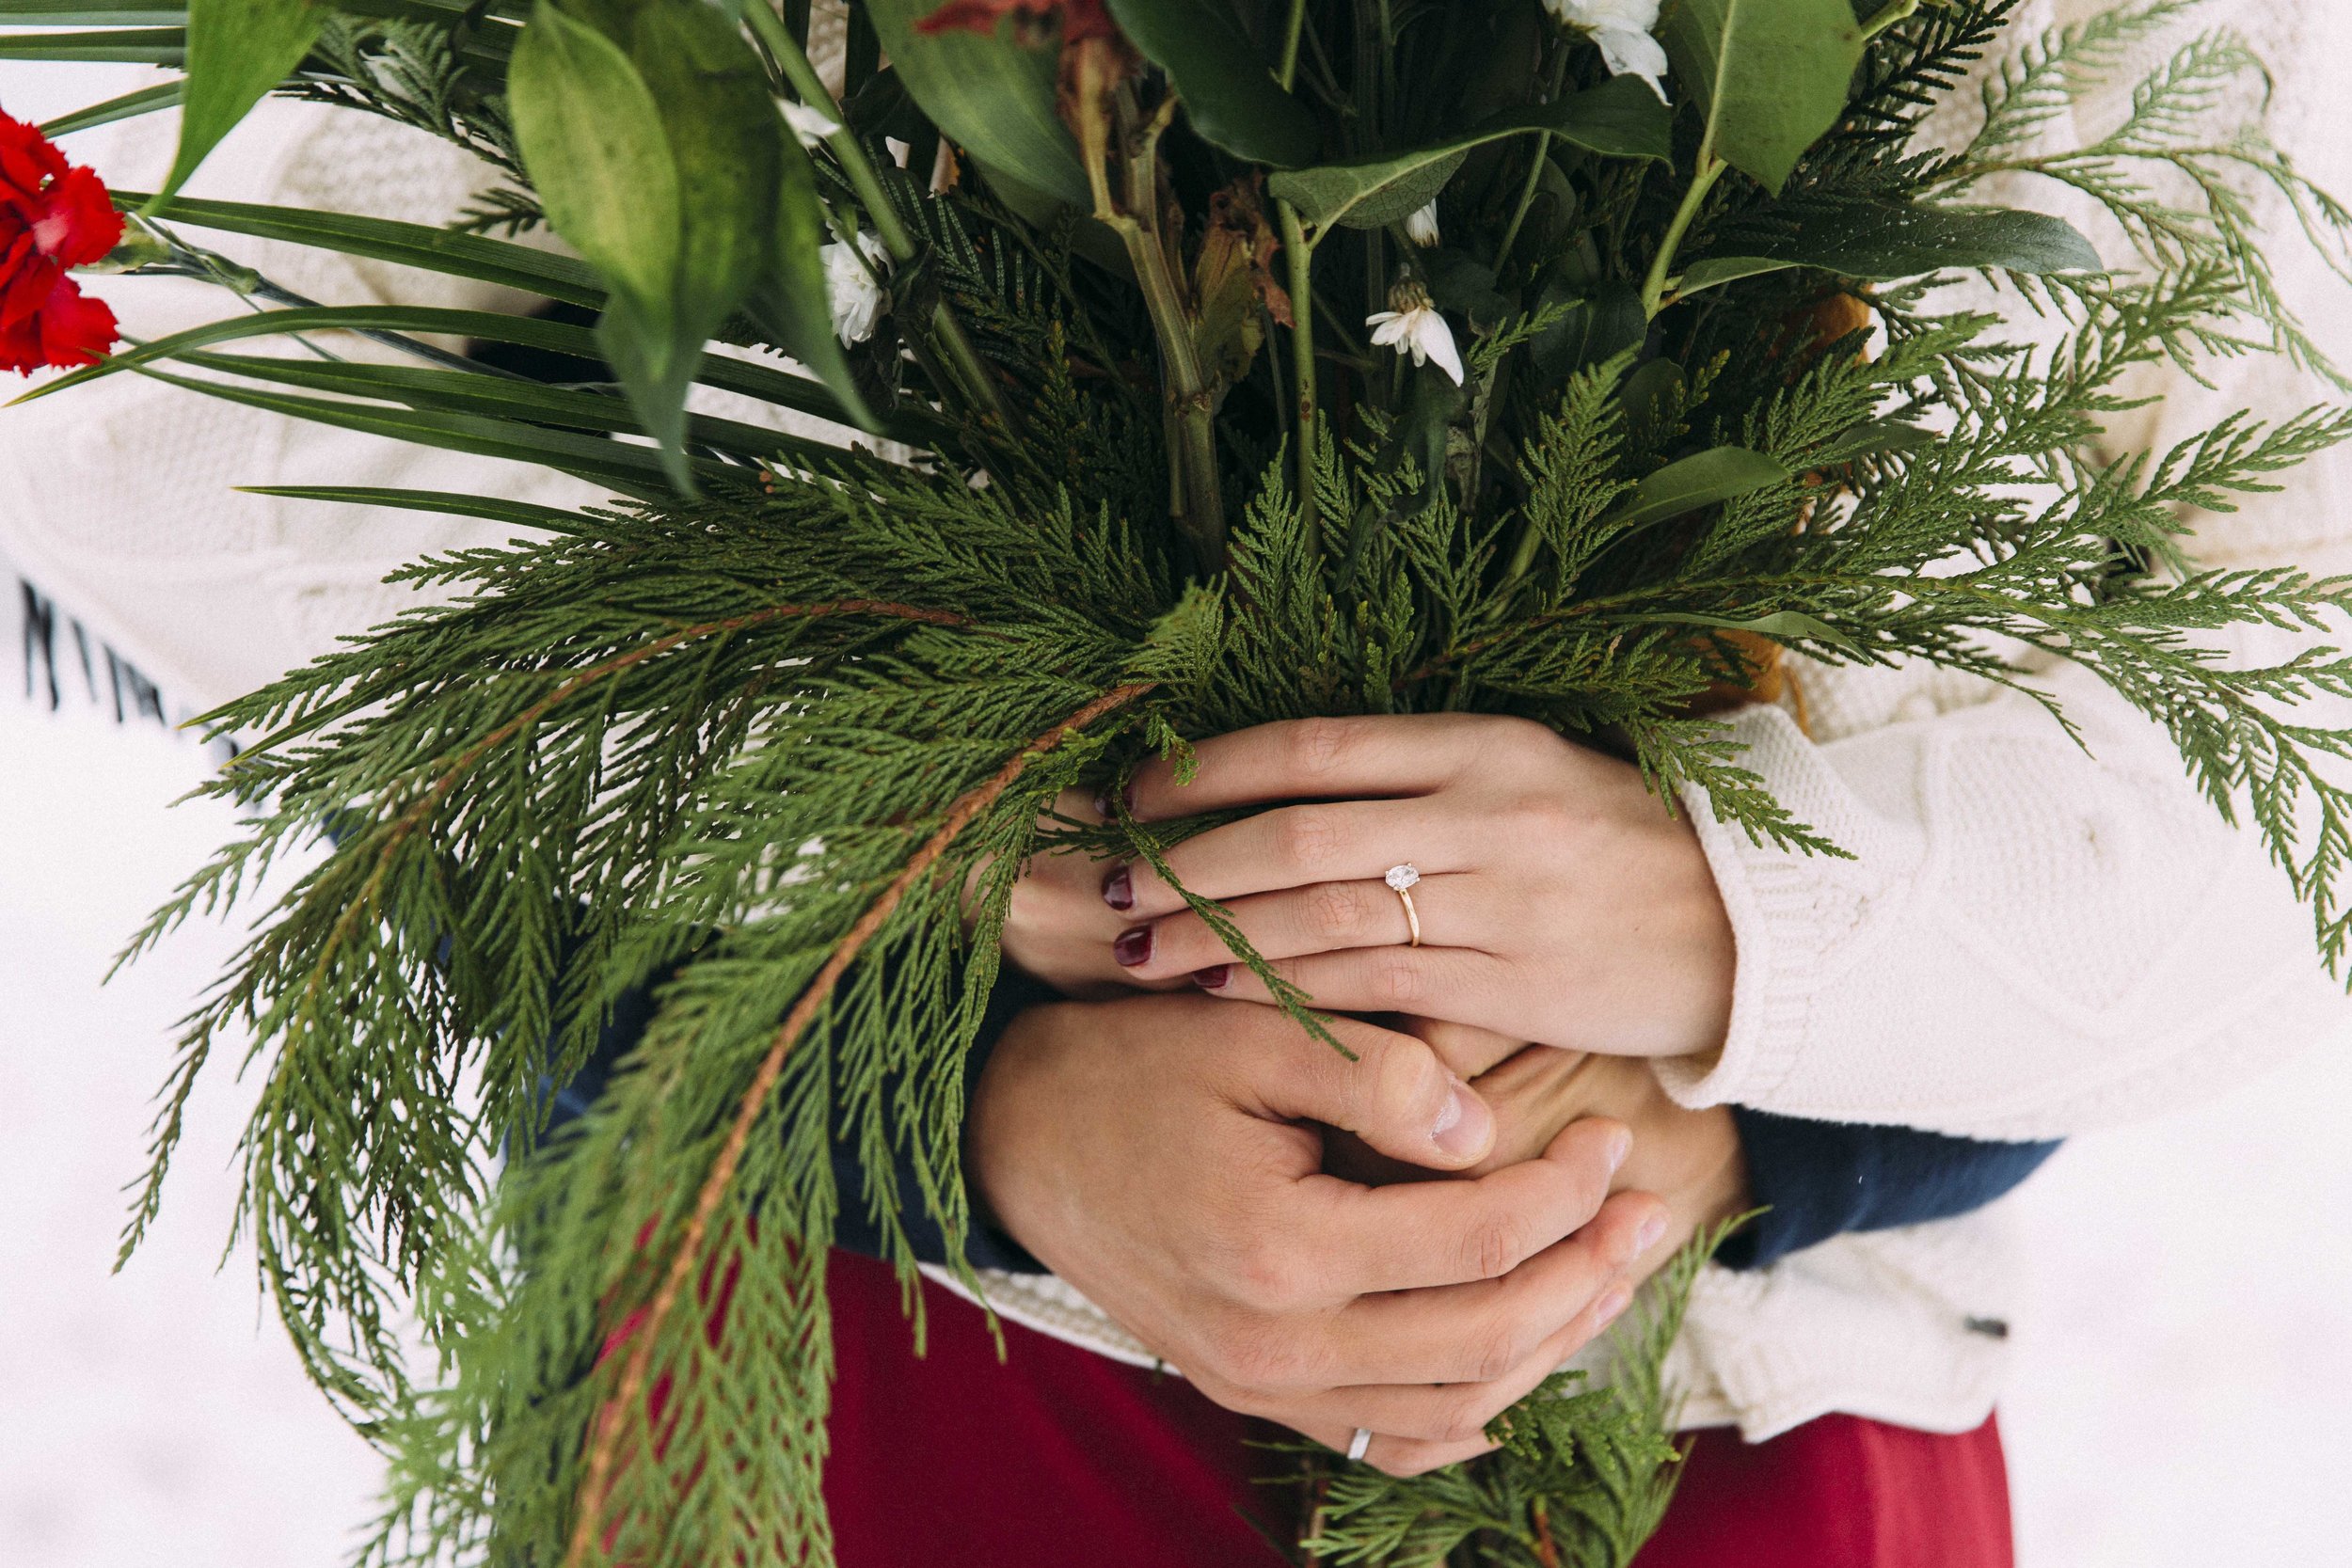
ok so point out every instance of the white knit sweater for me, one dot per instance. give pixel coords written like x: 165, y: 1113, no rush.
x: 2033, y: 939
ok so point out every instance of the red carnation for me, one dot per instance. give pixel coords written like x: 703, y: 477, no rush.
x: 53, y: 216
x: 1032, y: 19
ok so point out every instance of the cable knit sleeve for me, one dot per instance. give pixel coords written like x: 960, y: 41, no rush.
x: 2037, y: 938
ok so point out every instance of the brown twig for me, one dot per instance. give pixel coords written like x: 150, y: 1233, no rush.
x: 1547, y: 1550
x: 595, y: 1486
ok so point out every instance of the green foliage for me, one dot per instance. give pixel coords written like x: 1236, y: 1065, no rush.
x: 780, y: 746
x: 1770, y: 75
x: 237, y: 52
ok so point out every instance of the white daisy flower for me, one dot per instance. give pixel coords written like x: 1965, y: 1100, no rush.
x: 1412, y: 325
x: 1622, y: 29
x: 809, y: 123
x: 852, y: 287
x: 1422, y: 227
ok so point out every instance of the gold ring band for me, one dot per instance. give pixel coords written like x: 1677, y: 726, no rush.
x: 1401, y: 880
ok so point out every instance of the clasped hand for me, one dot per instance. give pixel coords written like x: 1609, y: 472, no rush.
x: 1211, y: 1177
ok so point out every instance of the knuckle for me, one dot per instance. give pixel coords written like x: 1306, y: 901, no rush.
x: 1269, y: 1277
x: 1499, y: 1351
x: 1306, y: 837
x: 1464, y: 1419
x: 1257, y: 1356
x: 1317, y: 745
x: 1336, y: 909
x: 1495, y: 1246
x: 1397, y: 977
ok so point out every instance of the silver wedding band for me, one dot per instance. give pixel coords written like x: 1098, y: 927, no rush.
x: 1401, y: 880
x: 1360, y: 1445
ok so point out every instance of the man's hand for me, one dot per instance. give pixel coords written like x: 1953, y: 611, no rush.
x: 1150, y: 1151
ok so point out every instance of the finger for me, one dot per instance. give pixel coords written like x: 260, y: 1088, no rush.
x: 1394, y: 1093
x: 1307, y: 759
x: 1357, y: 1241
x: 1297, y: 846
x: 1448, y: 1413
x: 1488, y: 1329
x: 1395, y: 1456
x: 1326, y: 917
x: 1454, y: 982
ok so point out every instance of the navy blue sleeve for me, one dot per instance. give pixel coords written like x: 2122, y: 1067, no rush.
x: 1815, y: 1179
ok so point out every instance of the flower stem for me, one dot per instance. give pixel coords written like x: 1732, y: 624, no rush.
x: 1653, y: 287
x: 1291, y: 31
x: 1299, y: 257
x: 963, y: 359
x: 1535, y: 169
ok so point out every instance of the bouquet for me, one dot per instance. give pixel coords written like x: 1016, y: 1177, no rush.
x: 995, y: 393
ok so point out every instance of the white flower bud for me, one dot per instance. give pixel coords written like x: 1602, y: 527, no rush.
x: 1622, y: 30
x: 852, y: 287
x: 1422, y: 227
x: 1412, y: 325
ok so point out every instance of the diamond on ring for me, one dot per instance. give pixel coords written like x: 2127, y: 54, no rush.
x: 1403, y: 877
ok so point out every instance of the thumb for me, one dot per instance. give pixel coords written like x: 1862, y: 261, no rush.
x: 1397, y: 1095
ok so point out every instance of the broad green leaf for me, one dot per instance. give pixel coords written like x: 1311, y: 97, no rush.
x: 1881, y: 240
x: 1620, y: 119
x: 1715, y: 271
x: 1718, y: 474
x: 1655, y: 386
x: 1786, y: 626
x: 1228, y: 91
x: 124, y: 45
x: 790, y: 303
x: 414, y: 245
x: 1606, y: 324
x: 553, y: 519
x: 130, y: 105
x: 1770, y: 75
x: 238, y: 49
x: 598, y: 155
x: 991, y: 96
x: 656, y: 155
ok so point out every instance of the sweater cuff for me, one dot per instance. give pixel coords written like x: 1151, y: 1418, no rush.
x: 1791, y: 913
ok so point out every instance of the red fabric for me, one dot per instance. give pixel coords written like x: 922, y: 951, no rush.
x: 1056, y: 1457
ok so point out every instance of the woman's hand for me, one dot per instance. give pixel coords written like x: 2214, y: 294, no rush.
x: 1690, y: 1159
x: 1560, y: 901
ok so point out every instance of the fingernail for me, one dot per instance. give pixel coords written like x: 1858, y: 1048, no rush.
x: 1653, y: 1230
x: 1132, y: 947
x: 1620, y: 1147
x: 1119, y: 888
x: 1614, y: 1301
x: 1106, y: 805
x: 1103, y: 805
x: 1462, y: 1124
x: 1213, y: 977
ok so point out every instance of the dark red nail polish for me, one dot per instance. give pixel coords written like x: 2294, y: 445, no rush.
x: 1132, y: 947
x: 1119, y: 889
x: 1213, y: 977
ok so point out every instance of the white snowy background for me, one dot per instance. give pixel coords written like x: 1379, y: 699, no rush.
x: 2183, y: 1400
